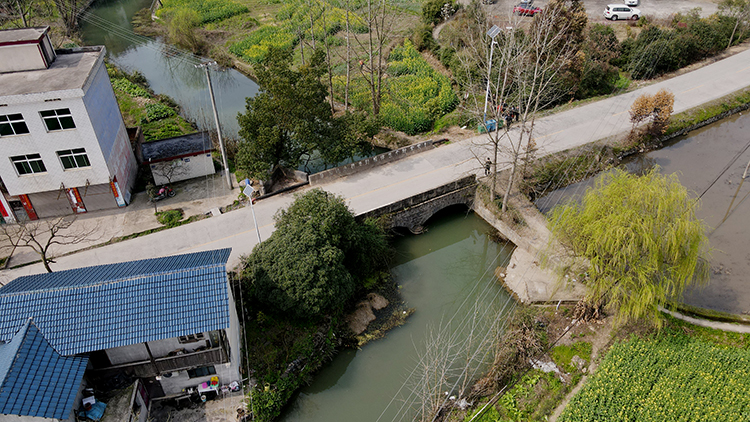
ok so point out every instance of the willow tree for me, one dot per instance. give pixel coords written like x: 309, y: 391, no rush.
x: 642, y: 239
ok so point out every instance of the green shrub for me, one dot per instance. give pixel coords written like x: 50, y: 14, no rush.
x: 170, y: 218
x: 158, y: 111
x: 130, y: 88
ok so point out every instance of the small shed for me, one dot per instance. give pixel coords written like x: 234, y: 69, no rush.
x: 179, y: 158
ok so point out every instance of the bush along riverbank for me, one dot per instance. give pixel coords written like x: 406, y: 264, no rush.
x: 294, y: 292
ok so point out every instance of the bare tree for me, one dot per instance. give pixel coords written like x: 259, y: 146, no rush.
x: 41, y: 235
x: 739, y: 10
x: 527, y: 75
x: 69, y: 11
x: 381, y: 16
x: 170, y: 170
x: 21, y: 7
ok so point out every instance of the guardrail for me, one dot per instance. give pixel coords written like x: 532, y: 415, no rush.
x: 361, y: 165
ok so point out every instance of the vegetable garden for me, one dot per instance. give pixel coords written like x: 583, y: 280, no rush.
x: 415, y: 95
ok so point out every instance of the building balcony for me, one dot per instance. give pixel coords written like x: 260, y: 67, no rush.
x: 180, y: 362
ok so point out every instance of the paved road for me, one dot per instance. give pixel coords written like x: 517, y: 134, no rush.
x: 417, y: 173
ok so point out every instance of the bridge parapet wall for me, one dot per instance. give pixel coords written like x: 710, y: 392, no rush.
x: 414, y: 211
x: 368, y: 163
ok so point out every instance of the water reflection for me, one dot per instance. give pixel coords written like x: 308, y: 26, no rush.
x: 168, y: 70
x: 442, y: 274
x: 709, y: 160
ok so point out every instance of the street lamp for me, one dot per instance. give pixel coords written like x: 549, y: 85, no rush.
x: 492, y: 33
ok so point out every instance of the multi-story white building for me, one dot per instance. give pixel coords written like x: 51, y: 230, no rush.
x: 64, y: 144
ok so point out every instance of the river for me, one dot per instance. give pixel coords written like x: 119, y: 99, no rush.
x: 709, y: 159
x: 442, y: 274
x: 167, y: 71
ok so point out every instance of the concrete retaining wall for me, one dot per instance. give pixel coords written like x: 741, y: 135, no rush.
x: 368, y: 163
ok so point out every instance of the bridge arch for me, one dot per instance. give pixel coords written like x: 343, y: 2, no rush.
x: 412, y: 213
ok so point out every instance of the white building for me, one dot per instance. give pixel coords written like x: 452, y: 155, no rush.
x: 64, y: 144
x: 179, y: 158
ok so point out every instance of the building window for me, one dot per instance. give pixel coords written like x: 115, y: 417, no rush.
x: 27, y: 164
x: 73, y: 158
x: 12, y: 124
x: 58, y: 119
x: 203, y: 371
x: 192, y: 338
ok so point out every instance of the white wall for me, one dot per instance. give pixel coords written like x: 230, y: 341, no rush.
x: 187, y: 168
x: 25, y: 57
x: 39, y: 141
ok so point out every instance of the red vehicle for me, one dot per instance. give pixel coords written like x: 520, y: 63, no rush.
x: 526, y: 9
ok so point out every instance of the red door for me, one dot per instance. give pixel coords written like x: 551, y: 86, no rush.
x: 26, y: 202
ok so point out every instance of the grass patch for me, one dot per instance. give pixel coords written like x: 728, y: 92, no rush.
x: 562, y: 355
x: 683, y: 373
x: 697, y: 115
x: 208, y: 10
x: 169, y: 218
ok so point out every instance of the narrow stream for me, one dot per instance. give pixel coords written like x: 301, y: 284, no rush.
x: 442, y: 274
x: 699, y: 160
x: 108, y: 24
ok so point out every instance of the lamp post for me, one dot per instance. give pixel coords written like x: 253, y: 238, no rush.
x: 492, y: 33
x: 216, y: 119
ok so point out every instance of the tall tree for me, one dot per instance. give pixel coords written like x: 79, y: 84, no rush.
x: 69, y: 11
x: 316, y: 259
x: 380, y: 16
x: 527, y: 75
x: 642, y: 239
x: 290, y: 117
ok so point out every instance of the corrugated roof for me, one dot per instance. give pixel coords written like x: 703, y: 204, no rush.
x: 35, y: 380
x: 106, y: 306
x: 177, y: 146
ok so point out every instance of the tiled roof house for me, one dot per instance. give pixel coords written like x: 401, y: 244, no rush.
x: 170, y: 321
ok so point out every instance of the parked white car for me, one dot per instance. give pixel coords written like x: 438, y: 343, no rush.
x: 620, y: 11
x: 631, y: 2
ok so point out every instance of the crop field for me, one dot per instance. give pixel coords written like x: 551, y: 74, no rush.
x: 293, y: 23
x: 208, y: 10
x: 415, y: 95
x: 669, y: 377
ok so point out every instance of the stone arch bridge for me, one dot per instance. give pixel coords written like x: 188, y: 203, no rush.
x: 413, y: 212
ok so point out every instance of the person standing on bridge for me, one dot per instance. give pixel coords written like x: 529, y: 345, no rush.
x: 487, y: 166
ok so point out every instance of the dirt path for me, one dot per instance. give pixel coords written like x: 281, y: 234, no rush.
x: 602, y: 338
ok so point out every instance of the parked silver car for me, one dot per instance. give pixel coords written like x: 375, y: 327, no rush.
x: 620, y: 11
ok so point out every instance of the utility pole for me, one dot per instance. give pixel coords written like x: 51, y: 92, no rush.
x: 216, y: 119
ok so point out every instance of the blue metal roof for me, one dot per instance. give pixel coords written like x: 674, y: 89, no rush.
x: 97, y: 308
x: 35, y: 380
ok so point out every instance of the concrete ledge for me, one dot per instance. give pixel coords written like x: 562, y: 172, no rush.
x: 368, y: 163
x: 532, y: 284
